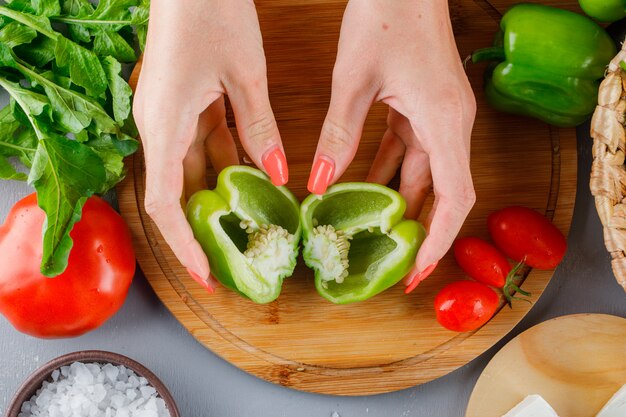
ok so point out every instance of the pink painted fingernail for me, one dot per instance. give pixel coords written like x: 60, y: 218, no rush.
x: 414, y: 282
x: 321, y: 175
x: 204, y: 282
x: 275, y: 163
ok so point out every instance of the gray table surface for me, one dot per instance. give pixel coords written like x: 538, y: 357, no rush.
x: 205, y: 385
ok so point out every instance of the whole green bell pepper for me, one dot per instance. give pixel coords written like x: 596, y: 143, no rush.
x: 357, y: 241
x: 549, y: 63
x: 604, y: 10
x: 250, y: 231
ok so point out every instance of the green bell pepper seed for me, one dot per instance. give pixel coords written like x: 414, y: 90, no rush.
x: 552, y: 74
x: 356, y: 240
x: 250, y: 231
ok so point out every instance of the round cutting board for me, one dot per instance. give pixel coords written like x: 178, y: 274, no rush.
x: 576, y: 363
x: 392, y: 341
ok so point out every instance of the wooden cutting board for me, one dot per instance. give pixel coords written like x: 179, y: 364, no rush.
x: 391, y: 341
x: 576, y: 363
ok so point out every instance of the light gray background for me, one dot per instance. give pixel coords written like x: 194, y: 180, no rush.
x: 205, y: 385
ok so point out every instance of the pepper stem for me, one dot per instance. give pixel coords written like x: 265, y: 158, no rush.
x: 493, y: 53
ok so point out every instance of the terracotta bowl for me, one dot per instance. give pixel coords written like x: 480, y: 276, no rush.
x: 35, y: 380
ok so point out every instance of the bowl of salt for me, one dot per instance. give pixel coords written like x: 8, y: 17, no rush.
x: 92, y: 383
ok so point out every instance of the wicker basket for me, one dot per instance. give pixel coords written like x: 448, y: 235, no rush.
x: 608, y: 174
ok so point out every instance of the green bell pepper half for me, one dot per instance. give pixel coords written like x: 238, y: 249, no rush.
x: 356, y: 240
x: 604, y: 10
x: 549, y: 63
x: 250, y: 231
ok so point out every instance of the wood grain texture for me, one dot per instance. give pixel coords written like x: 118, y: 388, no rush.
x: 576, y: 363
x: 391, y: 341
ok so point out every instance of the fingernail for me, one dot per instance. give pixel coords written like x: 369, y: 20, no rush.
x: 204, y: 282
x: 414, y: 282
x: 275, y: 163
x: 321, y: 175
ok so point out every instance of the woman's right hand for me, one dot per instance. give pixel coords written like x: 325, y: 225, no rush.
x: 197, y: 51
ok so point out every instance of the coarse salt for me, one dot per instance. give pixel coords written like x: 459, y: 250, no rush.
x: 95, y: 390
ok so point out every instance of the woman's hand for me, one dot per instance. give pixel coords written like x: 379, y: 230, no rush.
x: 403, y: 54
x: 198, y: 51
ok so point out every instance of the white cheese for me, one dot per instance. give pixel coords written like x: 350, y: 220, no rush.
x: 616, y: 407
x: 532, y: 406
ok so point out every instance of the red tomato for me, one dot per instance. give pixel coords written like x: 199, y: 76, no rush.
x: 465, y: 305
x: 522, y: 233
x: 100, y: 269
x: 481, y: 261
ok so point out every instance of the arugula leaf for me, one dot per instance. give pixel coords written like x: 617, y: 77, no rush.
x: 20, y: 5
x: 108, y: 43
x: 69, y: 114
x: 14, y: 34
x: 34, y: 105
x: 64, y: 173
x: 15, y: 140
x: 76, y: 7
x: 8, y: 171
x: 47, y: 7
x: 39, y: 23
x: 108, y: 149
x: 120, y: 90
x: 39, y: 52
x: 140, y: 16
x: 84, y: 67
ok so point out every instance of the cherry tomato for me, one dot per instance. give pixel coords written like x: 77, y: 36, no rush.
x: 100, y: 269
x: 525, y: 235
x: 481, y: 261
x: 465, y: 305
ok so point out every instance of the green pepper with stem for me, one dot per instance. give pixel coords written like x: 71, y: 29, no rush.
x: 250, y: 231
x: 548, y: 64
x: 356, y: 240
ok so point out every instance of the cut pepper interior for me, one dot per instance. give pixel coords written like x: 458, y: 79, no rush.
x: 250, y: 231
x: 356, y: 240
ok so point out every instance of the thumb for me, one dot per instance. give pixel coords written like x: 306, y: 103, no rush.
x: 341, y: 132
x: 257, y: 128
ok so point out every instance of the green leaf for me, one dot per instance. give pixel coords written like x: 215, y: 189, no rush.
x: 111, y: 43
x: 39, y: 23
x: 84, y: 66
x: 14, y: 34
x: 79, y: 33
x: 76, y: 7
x: 16, y: 140
x: 20, y: 5
x: 47, y: 7
x: 111, y: 10
x: 72, y: 110
x: 120, y: 90
x: 105, y: 147
x: 140, y: 16
x: 39, y: 52
x: 6, y: 57
x: 64, y: 173
x: 34, y: 105
x: 8, y: 171
x: 69, y: 109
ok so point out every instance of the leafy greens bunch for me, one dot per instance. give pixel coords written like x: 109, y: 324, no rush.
x: 68, y: 121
